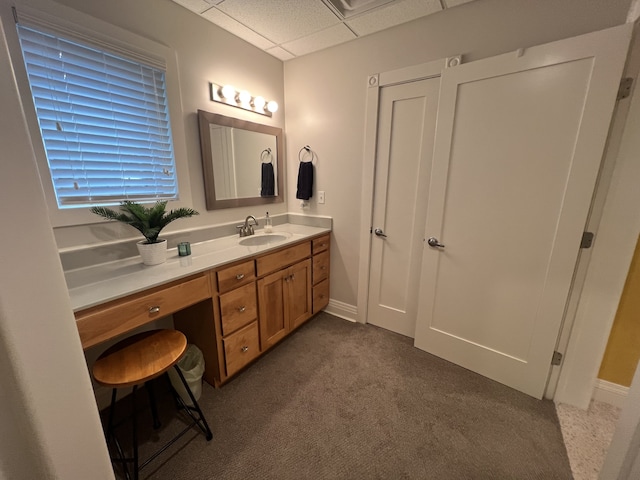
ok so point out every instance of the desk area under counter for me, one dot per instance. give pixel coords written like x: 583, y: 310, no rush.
x: 234, y: 302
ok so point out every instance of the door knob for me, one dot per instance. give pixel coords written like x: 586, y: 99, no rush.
x: 379, y: 233
x: 433, y: 242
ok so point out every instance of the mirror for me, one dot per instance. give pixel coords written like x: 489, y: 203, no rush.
x: 241, y: 160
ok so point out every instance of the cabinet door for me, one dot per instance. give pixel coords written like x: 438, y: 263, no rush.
x: 298, y: 284
x: 271, y: 301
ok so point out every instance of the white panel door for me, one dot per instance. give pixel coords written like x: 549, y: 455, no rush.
x: 517, y: 151
x: 406, y: 126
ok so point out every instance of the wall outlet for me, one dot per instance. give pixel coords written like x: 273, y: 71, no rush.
x: 321, y: 196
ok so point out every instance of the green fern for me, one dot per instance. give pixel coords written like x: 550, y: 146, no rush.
x: 147, y: 220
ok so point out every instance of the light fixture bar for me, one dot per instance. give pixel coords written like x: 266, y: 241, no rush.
x: 241, y: 99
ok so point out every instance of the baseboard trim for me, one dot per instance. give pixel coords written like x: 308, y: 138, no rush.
x: 342, y: 310
x: 610, y: 393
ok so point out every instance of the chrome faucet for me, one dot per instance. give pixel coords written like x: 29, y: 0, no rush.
x: 247, y: 229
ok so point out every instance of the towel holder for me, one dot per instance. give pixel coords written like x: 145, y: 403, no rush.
x: 266, y: 153
x: 307, y: 149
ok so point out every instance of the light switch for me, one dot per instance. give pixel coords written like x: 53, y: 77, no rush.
x: 321, y: 196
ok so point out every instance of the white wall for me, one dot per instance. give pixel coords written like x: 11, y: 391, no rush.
x: 49, y: 425
x: 326, y: 93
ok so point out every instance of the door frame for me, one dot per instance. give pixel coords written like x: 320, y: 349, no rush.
x: 376, y: 81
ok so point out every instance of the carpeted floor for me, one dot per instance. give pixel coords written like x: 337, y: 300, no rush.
x: 338, y: 400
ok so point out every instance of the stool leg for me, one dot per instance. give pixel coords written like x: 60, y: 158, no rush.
x: 204, y: 426
x: 135, y: 433
x: 111, y: 435
x: 112, y: 407
x: 153, y: 404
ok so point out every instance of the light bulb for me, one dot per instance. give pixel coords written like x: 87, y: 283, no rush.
x: 272, y: 106
x: 259, y: 102
x: 228, y: 92
x: 244, y: 97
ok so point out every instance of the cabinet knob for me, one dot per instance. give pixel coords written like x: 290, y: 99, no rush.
x: 293, y: 277
x: 242, y: 309
x: 323, y: 267
x: 244, y: 348
x: 240, y: 276
x: 154, y: 309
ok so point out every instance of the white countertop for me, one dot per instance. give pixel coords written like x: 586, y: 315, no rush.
x: 97, y: 284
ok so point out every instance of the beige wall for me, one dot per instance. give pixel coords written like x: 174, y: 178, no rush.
x: 623, y: 349
x: 326, y: 92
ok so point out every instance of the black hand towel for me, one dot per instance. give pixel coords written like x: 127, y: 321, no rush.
x: 268, y: 188
x: 305, y: 181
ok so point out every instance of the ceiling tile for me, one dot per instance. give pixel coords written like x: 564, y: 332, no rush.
x: 286, y: 21
x: 317, y: 41
x: 280, y: 53
x: 455, y: 3
x: 392, y: 15
x: 197, y: 6
x: 239, y: 30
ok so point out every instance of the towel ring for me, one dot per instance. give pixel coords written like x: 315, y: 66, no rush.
x: 266, y: 153
x: 307, y: 149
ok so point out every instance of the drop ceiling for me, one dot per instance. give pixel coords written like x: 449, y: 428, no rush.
x: 291, y: 28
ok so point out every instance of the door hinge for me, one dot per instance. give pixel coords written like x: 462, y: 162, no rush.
x: 625, y: 88
x: 557, y: 358
x: 587, y: 240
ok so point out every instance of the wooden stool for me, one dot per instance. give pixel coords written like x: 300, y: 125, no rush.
x: 136, y: 360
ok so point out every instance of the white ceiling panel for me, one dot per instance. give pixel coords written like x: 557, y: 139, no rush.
x: 282, y: 20
x: 455, y: 3
x: 239, y: 30
x: 280, y: 53
x: 392, y: 15
x: 197, y: 6
x: 319, y: 40
x: 290, y: 28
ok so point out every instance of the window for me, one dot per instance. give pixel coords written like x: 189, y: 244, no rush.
x: 104, y: 121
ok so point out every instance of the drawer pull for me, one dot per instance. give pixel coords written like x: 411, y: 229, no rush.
x: 242, y: 309
x: 244, y: 349
x: 240, y: 276
x: 154, y: 309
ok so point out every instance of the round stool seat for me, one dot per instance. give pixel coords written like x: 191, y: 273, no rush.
x: 139, y: 358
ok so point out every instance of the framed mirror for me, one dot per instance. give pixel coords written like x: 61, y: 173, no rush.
x: 241, y: 160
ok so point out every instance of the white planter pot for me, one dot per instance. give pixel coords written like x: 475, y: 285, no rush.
x: 153, y: 253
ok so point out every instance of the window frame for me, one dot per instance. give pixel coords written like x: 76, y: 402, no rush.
x: 94, y: 32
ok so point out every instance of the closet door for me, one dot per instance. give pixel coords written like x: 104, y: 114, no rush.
x: 406, y: 127
x: 518, y: 146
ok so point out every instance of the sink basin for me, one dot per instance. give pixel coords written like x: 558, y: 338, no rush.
x: 262, y: 239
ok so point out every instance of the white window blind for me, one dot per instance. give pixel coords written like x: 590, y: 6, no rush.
x: 104, y: 122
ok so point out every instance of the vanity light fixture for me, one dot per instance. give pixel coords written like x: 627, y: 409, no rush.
x: 242, y: 99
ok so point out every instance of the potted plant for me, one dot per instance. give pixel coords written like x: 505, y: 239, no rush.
x: 149, y: 221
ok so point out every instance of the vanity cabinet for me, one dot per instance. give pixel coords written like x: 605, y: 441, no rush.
x: 232, y: 313
x: 285, y: 302
x: 237, y: 316
x: 261, y: 300
x: 320, y: 273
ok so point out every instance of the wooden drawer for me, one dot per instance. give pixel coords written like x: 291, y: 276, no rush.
x: 320, y: 296
x: 236, y: 275
x: 241, y: 347
x: 238, y: 307
x: 106, y: 321
x: 320, y: 267
x: 320, y: 244
x: 283, y: 258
